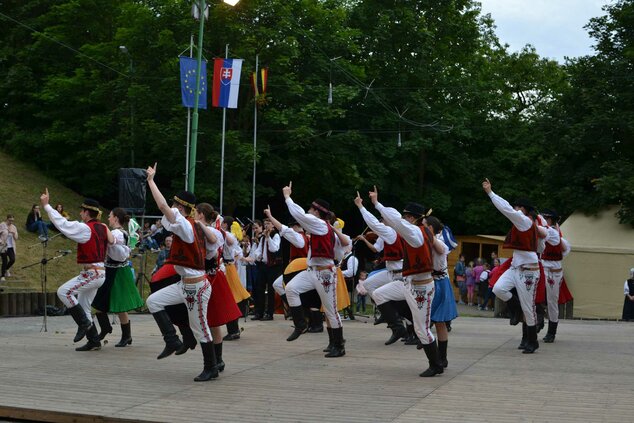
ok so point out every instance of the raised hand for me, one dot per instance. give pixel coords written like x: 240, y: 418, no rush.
x: 374, y: 196
x: 486, y: 185
x: 267, y: 211
x: 44, y: 198
x: 151, y: 171
x: 288, y: 190
x: 358, y: 201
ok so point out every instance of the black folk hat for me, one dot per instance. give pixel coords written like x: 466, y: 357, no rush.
x: 186, y: 198
x: 415, y: 209
x: 321, y: 205
x: 551, y: 214
x: 90, y: 204
x: 523, y: 202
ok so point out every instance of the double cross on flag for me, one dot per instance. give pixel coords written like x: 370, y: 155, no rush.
x: 226, y: 82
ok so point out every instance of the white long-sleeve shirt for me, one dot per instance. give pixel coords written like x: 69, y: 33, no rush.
x: 270, y: 244
x: 409, y: 232
x: 212, y: 248
x: 184, y: 230
x: 352, y: 265
x: 292, y: 236
x: 626, y: 289
x: 73, y: 230
x: 312, y: 225
x: 119, y: 251
x: 385, y: 234
x: 521, y: 222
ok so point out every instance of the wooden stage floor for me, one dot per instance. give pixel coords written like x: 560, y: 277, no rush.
x: 587, y: 375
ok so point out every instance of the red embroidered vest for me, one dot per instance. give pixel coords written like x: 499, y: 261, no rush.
x: 418, y: 260
x: 323, y: 245
x: 299, y: 252
x: 94, y: 251
x: 553, y: 252
x: 189, y: 255
x: 524, y: 241
x: 393, y: 252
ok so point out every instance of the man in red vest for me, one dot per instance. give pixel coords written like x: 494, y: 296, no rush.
x: 320, y: 274
x: 188, y: 257
x: 92, y: 238
x: 518, y: 285
x: 551, y: 257
x: 418, y: 287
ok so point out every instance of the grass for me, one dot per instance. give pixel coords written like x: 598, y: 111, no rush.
x: 20, y: 187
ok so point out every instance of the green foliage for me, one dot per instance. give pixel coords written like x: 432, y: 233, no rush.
x: 430, y: 73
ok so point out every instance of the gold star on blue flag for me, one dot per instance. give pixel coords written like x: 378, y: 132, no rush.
x: 188, y: 82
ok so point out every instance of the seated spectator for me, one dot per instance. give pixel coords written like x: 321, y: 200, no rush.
x: 35, y: 223
x: 60, y: 209
x: 163, y: 254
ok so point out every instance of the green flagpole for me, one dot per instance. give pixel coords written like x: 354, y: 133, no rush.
x: 194, y: 136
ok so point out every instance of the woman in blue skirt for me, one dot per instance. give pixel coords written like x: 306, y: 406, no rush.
x: 119, y: 293
x: 443, y: 307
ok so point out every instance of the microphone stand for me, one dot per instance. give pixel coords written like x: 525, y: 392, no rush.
x: 43, y: 275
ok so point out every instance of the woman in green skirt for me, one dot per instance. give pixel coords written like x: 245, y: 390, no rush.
x: 118, y: 294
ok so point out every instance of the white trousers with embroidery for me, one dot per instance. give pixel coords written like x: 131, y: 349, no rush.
x: 195, y: 296
x: 325, y: 282
x: 278, y: 285
x: 82, y: 290
x: 419, y: 298
x: 377, y: 281
x: 553, y: 284
x: 525, y: 282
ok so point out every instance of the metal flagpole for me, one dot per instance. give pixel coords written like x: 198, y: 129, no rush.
x: 189, y: 121
x: 255, y: 140
x: 222, y: 154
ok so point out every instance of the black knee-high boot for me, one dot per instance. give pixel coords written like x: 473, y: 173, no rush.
x: 331, y: 340
x: 126, y: 335
x: 93, y: 340
x: 219, y: 362
x: 210, y: 369
x: 299, y: 321
x: 522, y: 344
x: 172, y: 343
x: 435, y: 368
x: 83, y: 324
x: 104, y: 324
x: 338, y: 349
x: 393, y: 322
x: 532, y: 344
x: 189, y: 340
x: 316, y: 321
x: 442, y: 353
x: 552, y: 331
x: 514, y: 308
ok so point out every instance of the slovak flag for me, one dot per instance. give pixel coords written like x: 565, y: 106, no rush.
x: 226, y: 82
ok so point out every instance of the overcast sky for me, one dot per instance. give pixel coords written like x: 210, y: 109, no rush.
x: 553, y: 27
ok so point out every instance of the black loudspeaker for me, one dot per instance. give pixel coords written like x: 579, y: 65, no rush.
x: 132, y: 188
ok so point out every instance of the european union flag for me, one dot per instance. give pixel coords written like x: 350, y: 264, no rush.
x: 188, y: 82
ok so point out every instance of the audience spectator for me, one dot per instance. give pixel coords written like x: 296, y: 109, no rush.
x: 460, y: 279
x: 8, y: 236
x: 35, y: 223
x: 489, y: 294
x: 163, y: 254
x: 483, y: 282
x: 477, y: 271
x: 628, y: 305
x: 61, y: 211
x: 470, y: 282
x: 363, y: 275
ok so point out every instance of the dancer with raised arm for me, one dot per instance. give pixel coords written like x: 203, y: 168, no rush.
x: 193, y: 289
x: 518, y: 285
x: 320, y: 274
x: 92, y: 238
x: 418, y: 288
